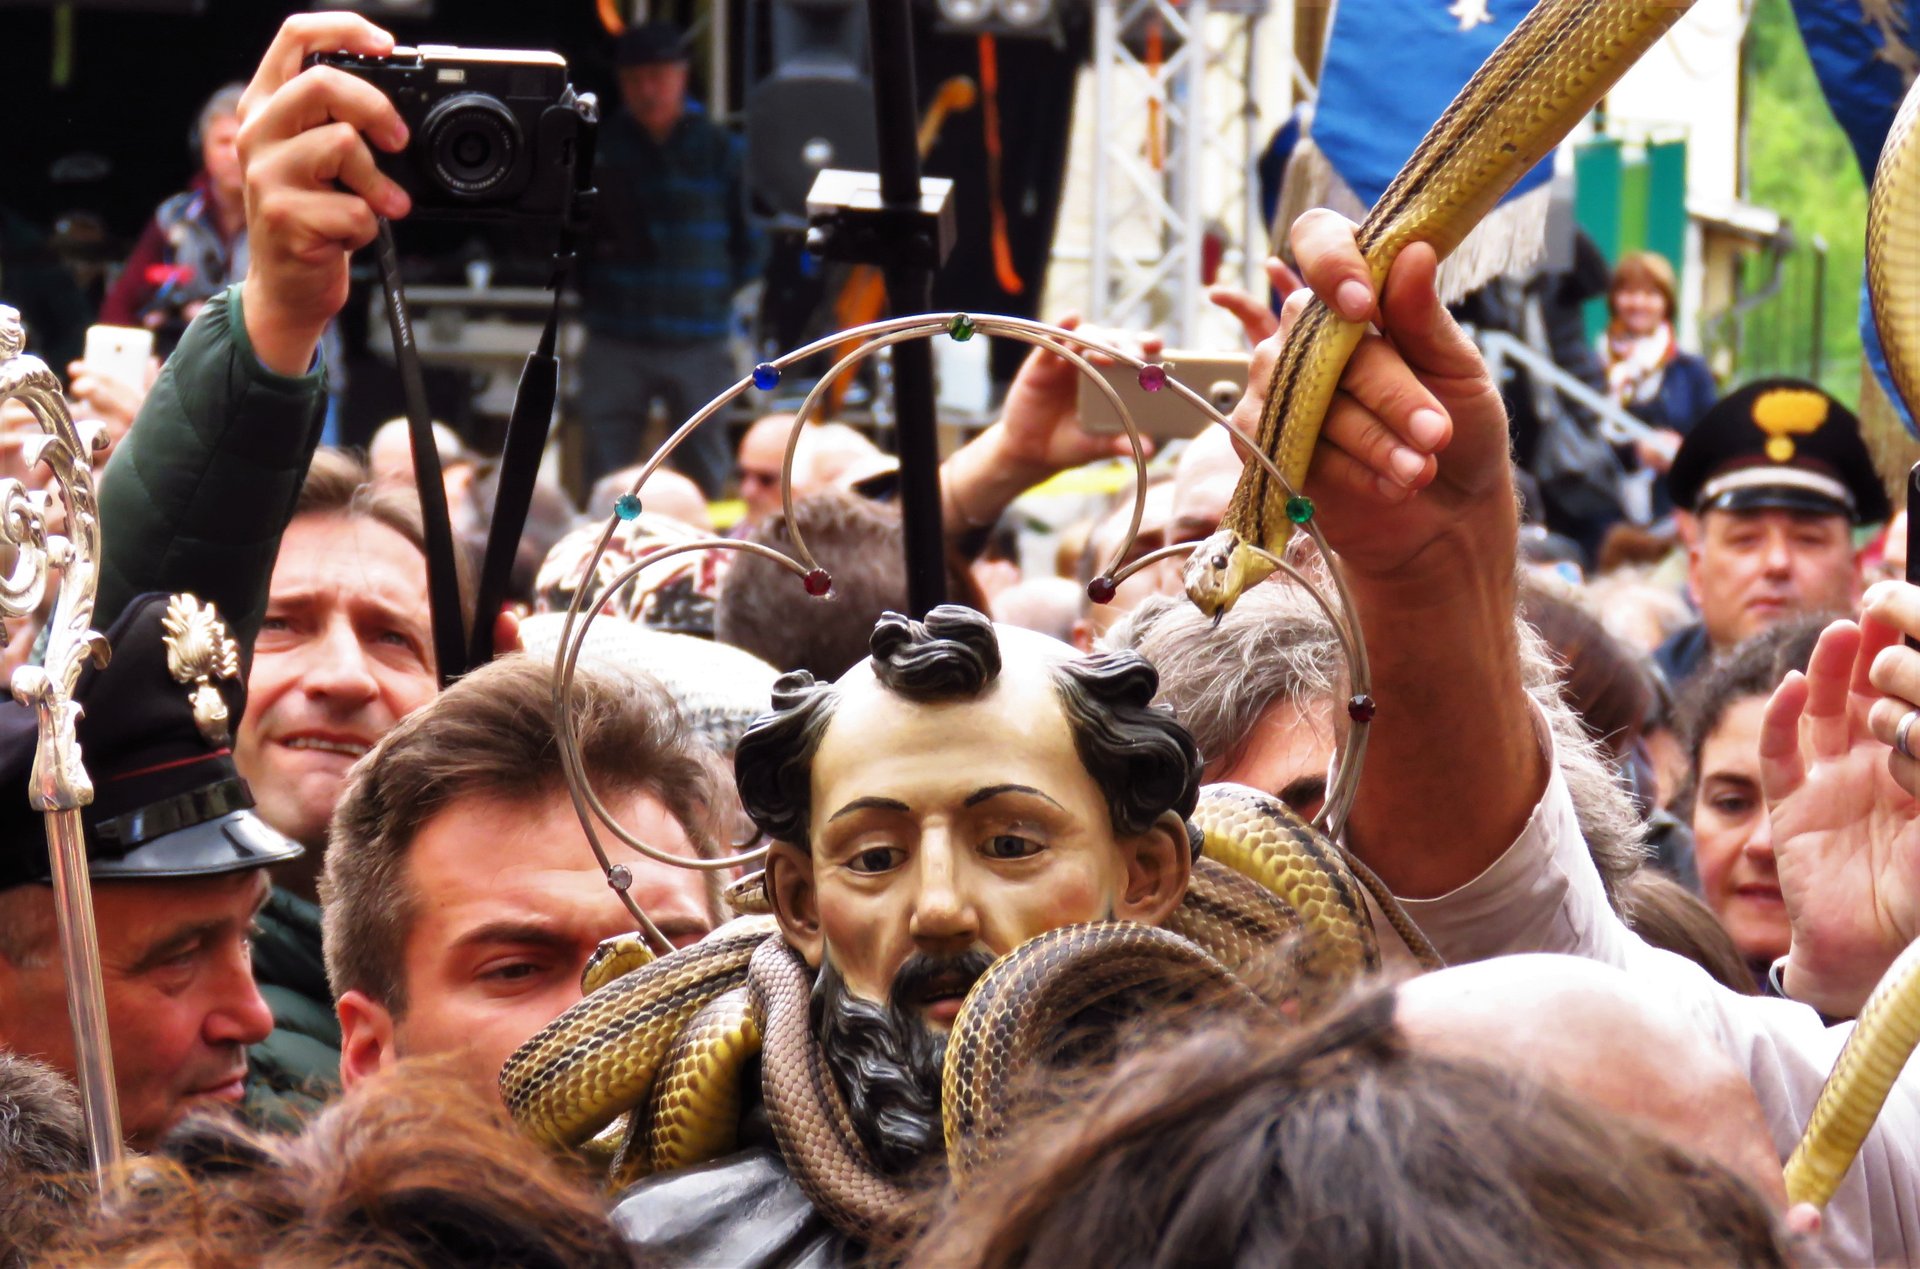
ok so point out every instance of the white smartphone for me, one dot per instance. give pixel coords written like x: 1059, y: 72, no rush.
x: 119, y: 352
x: 1219, y: 377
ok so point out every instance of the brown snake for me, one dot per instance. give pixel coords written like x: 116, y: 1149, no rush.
x: 1529, y: 93
x: 1272, y: 906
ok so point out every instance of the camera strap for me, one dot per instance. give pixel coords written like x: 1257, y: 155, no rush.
x: 526, y: 441
x: 443, y: 579
x: 532, y: 416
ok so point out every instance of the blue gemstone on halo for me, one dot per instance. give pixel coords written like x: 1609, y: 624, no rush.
x: 766, y: 376
x: 626, y: 506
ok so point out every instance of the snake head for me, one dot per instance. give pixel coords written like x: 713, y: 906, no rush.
x: 1219, y: 570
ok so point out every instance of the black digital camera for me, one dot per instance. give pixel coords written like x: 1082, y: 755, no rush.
x: 495, y: 134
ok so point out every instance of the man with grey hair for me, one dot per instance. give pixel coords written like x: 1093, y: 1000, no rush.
x: 196, y: 243
x: 1258, y: 692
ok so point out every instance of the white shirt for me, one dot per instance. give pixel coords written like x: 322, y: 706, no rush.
x: 1545, y: 895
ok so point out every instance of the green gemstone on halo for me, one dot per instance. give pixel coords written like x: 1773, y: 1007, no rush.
x: 1299, y: 509
x: 961, y: 328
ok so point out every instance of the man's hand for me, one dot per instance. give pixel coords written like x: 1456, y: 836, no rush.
x: 1259, y: 321
x: 1038, y: 435
x: 1428, y: 540
x: 1846, y: 834
x: 1410, y: 391
x: 108, y: 399
x: 313, y: 192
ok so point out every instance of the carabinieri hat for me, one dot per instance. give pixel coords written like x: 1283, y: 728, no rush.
x: 156, y: 741
x: 1778, y: 443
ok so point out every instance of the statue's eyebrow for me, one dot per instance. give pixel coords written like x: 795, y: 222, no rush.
x: 995, y: 790
x: 869, y: 804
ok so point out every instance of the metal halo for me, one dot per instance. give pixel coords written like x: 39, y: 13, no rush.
x: 880, y: 334
x: 1352, y: 750
x: 1032, y: 334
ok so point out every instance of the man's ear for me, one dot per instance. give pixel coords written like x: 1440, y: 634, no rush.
x: 796, y: 904
x: 366, y: 1038
x: 1159, y: 863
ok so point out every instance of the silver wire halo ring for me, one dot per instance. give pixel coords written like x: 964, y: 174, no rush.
x: 587, y: 805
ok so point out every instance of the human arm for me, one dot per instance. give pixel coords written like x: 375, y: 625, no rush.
x: 198, y: 494
x: 748, y: 245
x: 1845, y: 823
x: 1414, y: 490
x: 1037, y: 435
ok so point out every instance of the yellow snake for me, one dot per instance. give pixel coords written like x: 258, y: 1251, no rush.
x: 1272, y: 912
x: 1542, y: 80
x: 1888, y: 1027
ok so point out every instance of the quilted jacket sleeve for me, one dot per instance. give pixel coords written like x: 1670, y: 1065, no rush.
x: 201, y: 489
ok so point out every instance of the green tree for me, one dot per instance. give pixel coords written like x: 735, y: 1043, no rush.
x: 1798, y: 162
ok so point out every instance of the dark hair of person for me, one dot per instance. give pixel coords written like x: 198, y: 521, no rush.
x: 412, y: 1169
x: 1336, y: 1144
x: 1139, y: 755
x: 339, y: 483
x: 1672, y: 917
x: 861, y: 543
x: 1607, y: 685
x: 491, y: 735
x: 1752, y: 669
x: 43, y: 1157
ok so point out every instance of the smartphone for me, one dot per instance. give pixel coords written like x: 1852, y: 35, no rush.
x: 119, y: 352
x: 1220, y: 378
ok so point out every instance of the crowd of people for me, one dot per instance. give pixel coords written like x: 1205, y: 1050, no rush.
x: 1657, y: 813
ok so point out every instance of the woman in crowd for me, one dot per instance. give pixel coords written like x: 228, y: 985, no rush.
x: 1732, y: 836
x: 1647, y: 374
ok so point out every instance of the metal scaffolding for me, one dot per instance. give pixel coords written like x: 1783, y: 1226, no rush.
x: 1179, y: 127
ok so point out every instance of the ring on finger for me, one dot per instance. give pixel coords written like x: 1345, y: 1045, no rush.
x: 1901, y: 731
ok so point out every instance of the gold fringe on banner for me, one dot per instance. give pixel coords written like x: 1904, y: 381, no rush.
x: 1511, y: 239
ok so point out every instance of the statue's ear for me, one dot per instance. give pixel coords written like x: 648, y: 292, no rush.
x: 1159, y: 864
x: 796, y: 906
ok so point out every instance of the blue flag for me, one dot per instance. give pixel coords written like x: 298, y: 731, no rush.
x: 1392, y: 68
x: 1864, y: 53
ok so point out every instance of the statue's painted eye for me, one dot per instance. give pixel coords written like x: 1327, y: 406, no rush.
x: 1220, y: 562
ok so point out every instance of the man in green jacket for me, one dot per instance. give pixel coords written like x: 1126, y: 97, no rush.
x: 201, y: 494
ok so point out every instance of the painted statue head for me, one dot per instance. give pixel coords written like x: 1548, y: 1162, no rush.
x: 939, y: 805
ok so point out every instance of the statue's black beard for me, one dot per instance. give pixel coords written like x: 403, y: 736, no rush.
x: 886, y: 1060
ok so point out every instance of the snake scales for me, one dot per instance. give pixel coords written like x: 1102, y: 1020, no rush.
x: 1272, y: 911
x: 1558, y: 62
x: 669, y: 1040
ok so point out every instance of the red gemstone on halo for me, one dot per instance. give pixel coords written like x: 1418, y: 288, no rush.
x: 818, y: 582
x: 1100, y: 590
x: 1153, y: 377
x: 1360, y: 709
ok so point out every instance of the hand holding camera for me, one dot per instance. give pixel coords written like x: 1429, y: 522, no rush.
x: 314, y: 191
x: 475, y: 134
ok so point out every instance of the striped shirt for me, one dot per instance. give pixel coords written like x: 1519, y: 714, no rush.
x: 671, y: 241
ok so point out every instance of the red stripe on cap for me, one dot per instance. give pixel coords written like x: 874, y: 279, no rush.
x: 169, y: 766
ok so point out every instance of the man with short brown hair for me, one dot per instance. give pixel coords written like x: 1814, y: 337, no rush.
x: 460, y: 898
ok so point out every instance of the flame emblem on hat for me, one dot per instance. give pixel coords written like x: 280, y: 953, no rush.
x: 200, y: 653
x: 1785, y: 413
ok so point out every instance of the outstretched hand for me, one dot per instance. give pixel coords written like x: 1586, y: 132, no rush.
x: 1041, y: 415
x: 1415, y: 387
x: 1846, y: 834
x: 313, y: 191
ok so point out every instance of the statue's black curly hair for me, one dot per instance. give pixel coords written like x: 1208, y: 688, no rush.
x: 1143, y: 760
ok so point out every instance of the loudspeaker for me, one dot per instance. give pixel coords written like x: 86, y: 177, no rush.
x: 814, y: 106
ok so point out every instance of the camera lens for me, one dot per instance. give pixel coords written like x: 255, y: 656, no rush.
x: 471, y: 142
